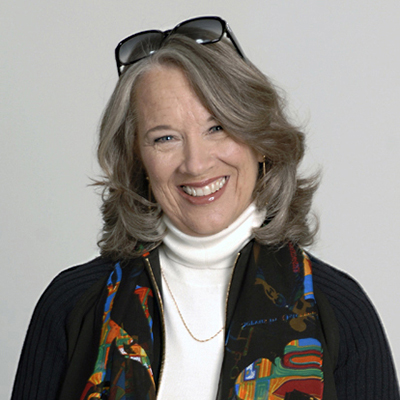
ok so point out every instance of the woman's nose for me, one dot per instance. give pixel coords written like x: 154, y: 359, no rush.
x: 197, y: 157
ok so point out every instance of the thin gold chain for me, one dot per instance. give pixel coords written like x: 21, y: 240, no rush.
x: 181, y: 316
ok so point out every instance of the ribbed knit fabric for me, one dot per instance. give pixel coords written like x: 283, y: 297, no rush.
x: 365, y: 367
x: 364, y: 372
x: 44, y: 356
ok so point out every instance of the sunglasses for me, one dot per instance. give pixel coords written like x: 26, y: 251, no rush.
x: 203, y: 30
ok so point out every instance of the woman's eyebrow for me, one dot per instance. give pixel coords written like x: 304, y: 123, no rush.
x: 211, y: 118
x: 158, y: 128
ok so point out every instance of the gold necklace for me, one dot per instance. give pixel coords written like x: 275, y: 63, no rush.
x: 181, y: 316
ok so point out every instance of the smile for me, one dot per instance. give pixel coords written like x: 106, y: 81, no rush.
x: 205, y: 190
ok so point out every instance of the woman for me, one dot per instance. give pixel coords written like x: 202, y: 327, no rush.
x: 202, y: 290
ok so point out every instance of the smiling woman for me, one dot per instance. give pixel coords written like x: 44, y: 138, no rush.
x: 202, y: 290
x: 201, y: 177
x: 216, y: 84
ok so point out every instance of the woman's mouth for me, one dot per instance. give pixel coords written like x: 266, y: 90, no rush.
x: 205, y: 190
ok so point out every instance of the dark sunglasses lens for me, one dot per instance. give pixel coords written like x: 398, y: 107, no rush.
x: 202, y: 30
x: 139, y: 46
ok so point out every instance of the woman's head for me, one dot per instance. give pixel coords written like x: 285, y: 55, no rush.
x: 235, y: 96
x: 200, y: 176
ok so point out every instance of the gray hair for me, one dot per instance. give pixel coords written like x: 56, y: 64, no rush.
x: 247, y: 105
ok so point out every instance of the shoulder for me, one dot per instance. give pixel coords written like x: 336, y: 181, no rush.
x: 64, y: 291
x: 364, y: 365
x: 45, y: 352
x: 332, y: 279
x: 353, y: 309
x: 349, y: 301
x: 50, y: 317
x: 81, y: 276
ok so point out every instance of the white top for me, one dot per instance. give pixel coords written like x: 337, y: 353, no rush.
x: 198, y: 271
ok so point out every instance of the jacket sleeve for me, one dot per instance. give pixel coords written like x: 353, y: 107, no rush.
x: 44, y: 356
x: 365, y: 368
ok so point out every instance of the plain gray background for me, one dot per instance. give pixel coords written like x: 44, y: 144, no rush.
x: 338, y: 61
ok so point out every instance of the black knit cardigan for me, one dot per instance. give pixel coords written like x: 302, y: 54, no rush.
x: 364, y: 370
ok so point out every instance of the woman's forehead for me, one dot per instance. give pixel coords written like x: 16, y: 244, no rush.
x: 165, y: 90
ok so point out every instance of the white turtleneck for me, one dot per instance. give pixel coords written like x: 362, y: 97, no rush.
x: 198, y: 271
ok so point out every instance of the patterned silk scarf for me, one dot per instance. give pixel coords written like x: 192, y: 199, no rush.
x: 274, y: 345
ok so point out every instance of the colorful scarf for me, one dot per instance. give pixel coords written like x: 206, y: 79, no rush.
x: 274, y: 345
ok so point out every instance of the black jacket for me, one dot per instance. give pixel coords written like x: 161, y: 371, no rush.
x: 354, y: 341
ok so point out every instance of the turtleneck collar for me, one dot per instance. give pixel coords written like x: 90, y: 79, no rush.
x: 215, y: 251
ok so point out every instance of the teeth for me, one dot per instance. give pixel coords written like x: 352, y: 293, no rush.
x: 206, y: 190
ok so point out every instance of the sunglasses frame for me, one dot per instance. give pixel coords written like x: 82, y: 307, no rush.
x: 225, y: 30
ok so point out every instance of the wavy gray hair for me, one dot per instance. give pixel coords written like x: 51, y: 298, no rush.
x: 247, y: 105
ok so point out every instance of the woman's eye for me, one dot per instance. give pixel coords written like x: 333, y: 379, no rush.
x: 216, y: 128
x: 162, y: 139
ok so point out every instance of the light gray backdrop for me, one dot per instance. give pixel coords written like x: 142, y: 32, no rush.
x: 338, y: 61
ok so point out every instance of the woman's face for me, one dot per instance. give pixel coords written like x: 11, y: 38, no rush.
x: 201, y: 177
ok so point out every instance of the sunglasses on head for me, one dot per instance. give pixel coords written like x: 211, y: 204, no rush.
x: 203, y: 30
